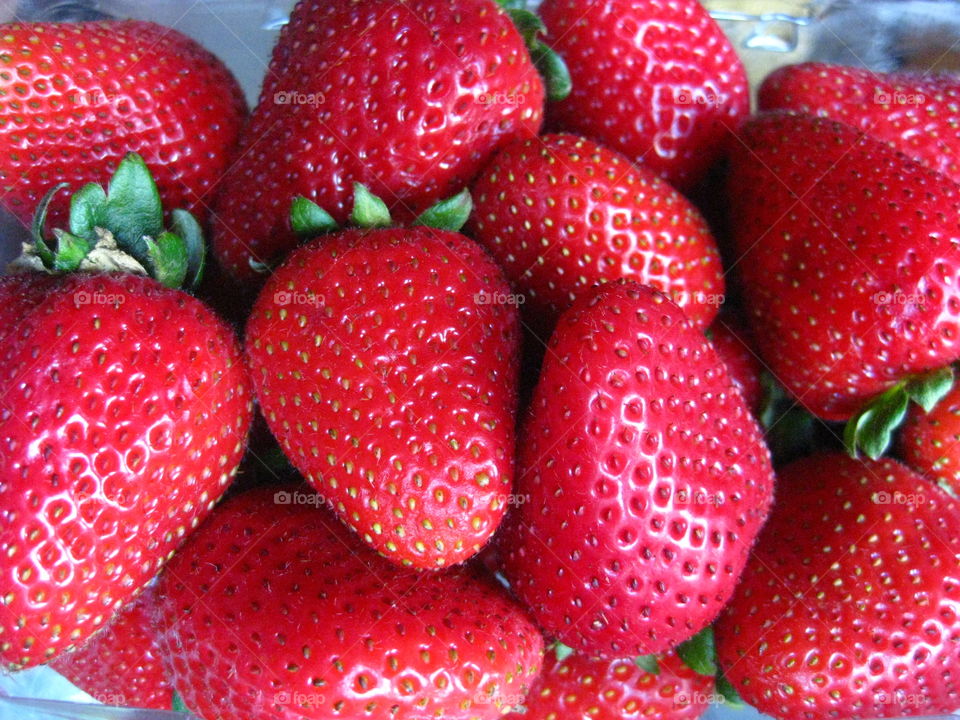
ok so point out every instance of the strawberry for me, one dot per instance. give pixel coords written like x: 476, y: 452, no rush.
x: 930, y: 442
x: 562, y: 213
x: 580, y: 688
x: 728, y: 335
x: 276, y: 611
x: 76, y: 97
x: 120, y: 664
x: 655, y: 79
x: 124, y: 416
x: 888, y: 228
x: 644, y: 479
x: 849, y: 605
x: 408, y: 98
x: 919, y: 114
x: 385, y: 362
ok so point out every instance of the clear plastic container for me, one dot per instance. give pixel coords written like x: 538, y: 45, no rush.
x: 883, y: 35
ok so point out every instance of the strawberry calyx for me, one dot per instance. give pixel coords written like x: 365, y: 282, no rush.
x: 871, y: 429
x: 789, y: 428
x: 552, y: 68
x: 699, y: 653
x: 178, y: 705
x: 120, y: 229
x: 648, y: 663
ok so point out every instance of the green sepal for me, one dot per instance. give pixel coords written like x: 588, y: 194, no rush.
x: 554, y: 71
x: 562, y: 651
x: 512, y: 4
x: 700, y: 653
x: 528, y: 24
x: 729, y: 693
x: 186, y: 226
x: 871, y: 429
x: 178, y: 705
x: 449, y: 214
x: 133, y: 209
x: 648, y: 663
x: 39, y: 221
x: 87, y: 210
x: 71, y: 250
x: 369, y: 211
x: 773, y: 396
x: 309, y: 219
x: 167, y: 256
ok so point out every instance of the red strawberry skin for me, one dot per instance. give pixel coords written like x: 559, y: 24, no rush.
x: 386, y: 365
x: 561, y: 213
x: 276, y: 611
x: 919, y: 114
x: 849, y: 256
x: 655, y: 79
x: 580, y: 688
x: 408, y: 98
x: 124, y: 417
x: 730, y: 339
x: 76, y: 97
x: 849, y: 605
x: 930, y: 442
x: 644, y: 476
x: 120, y: 665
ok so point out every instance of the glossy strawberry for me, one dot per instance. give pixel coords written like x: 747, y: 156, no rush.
x: 120, y: 665
x: 919, y: 114
x: 272, y: 610
x: 644, y: 478
x: 76, y: 97
x: 850, y: 260
x: 849, y: 605
x: 729, y: 339
x: 579, y: 688
x: 562, y: 213
x: 408, y: 98
x: 385, y: 362
x: 655, y: 79
x: 930, y: 442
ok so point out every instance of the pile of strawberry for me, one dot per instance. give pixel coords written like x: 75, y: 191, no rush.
x: 488, y: 446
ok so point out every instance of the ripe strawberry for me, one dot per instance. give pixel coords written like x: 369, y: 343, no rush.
x: 580, y: 688
x: 920, y: 114
x: 655, y: 79
x: 645, y: 479
x: 849, y: 605
x: 124, y: 416
x: 728, y: 336
x: 385, y: 362
x: 408, y: 98
x: 120, y: 664
x: 276, y: 611
x: 850, y: 261
x: 562, y: 213
x: 76, y: 97
x: 930, y: 442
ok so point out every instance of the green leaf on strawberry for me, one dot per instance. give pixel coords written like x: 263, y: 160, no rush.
x: 369, y: 211
x: 309, y: 219
x: 186, y: 226
x: 552, y: 68
x: 132, y: 209
x: 178, y: 704
x: 449, y: 214
x: 649, y: 663
x: 700, y: 653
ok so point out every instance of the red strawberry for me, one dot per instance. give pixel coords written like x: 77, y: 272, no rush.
x: 76, y: 97
x: 645, y: 479
x: 655, y: 79
x: 920, y: 114
x: 930, y: 442
x: 120, y: 665
x: 850, y: 259
x: 408, y: 98
x: 385, y: 362
x: 579, y: 688
x: 274, y: 611
x: 561, y: 213
x: 850, y: 604
x: 728, y: 336
x: 124, y: 414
